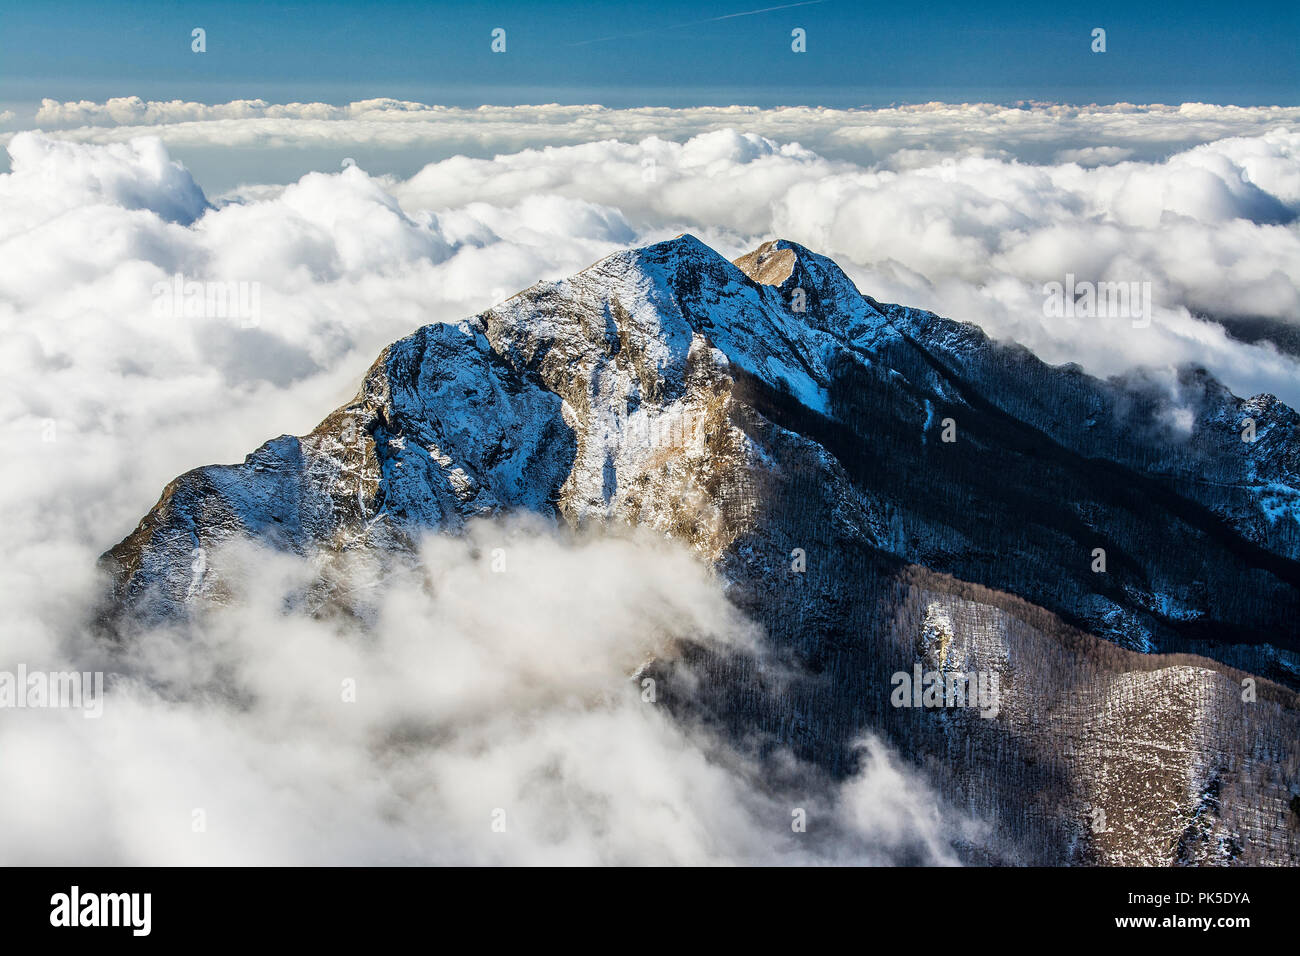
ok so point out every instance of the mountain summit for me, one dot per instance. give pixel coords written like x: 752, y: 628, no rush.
x: 882, y: 489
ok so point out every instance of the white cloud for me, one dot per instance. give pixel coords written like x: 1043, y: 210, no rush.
x: 965, y: 210
x: 471, y: 696
x: 1212, y: 229
x: 1094, y: 155
x: 866, y: 135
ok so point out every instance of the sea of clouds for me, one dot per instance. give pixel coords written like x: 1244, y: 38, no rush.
x: 466, y: 701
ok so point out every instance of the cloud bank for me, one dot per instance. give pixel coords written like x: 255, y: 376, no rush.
x: 484, y: 714
x: 966, y: 210
x: 1032, y: 132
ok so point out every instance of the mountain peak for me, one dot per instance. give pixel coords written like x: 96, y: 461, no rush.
x: 818, y: 288
x: 772, y: 263
x: 681, y: 248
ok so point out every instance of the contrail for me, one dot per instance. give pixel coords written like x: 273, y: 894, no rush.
x: 692, y: 23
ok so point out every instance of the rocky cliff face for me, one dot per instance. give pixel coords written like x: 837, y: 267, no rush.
x: 880, y: 488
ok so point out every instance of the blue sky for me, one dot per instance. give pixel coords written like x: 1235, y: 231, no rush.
x: 663, y: 53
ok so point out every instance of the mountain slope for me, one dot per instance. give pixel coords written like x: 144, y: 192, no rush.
x: 792, y: 432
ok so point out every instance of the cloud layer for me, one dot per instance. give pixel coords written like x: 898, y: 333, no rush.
x: 484, y: 714
x: 1034, y: 133
x: 967, y: 210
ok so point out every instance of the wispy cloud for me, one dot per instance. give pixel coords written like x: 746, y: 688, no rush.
x: 696, y: 23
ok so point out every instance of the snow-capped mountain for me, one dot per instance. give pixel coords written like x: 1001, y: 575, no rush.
x: 881, y: 489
